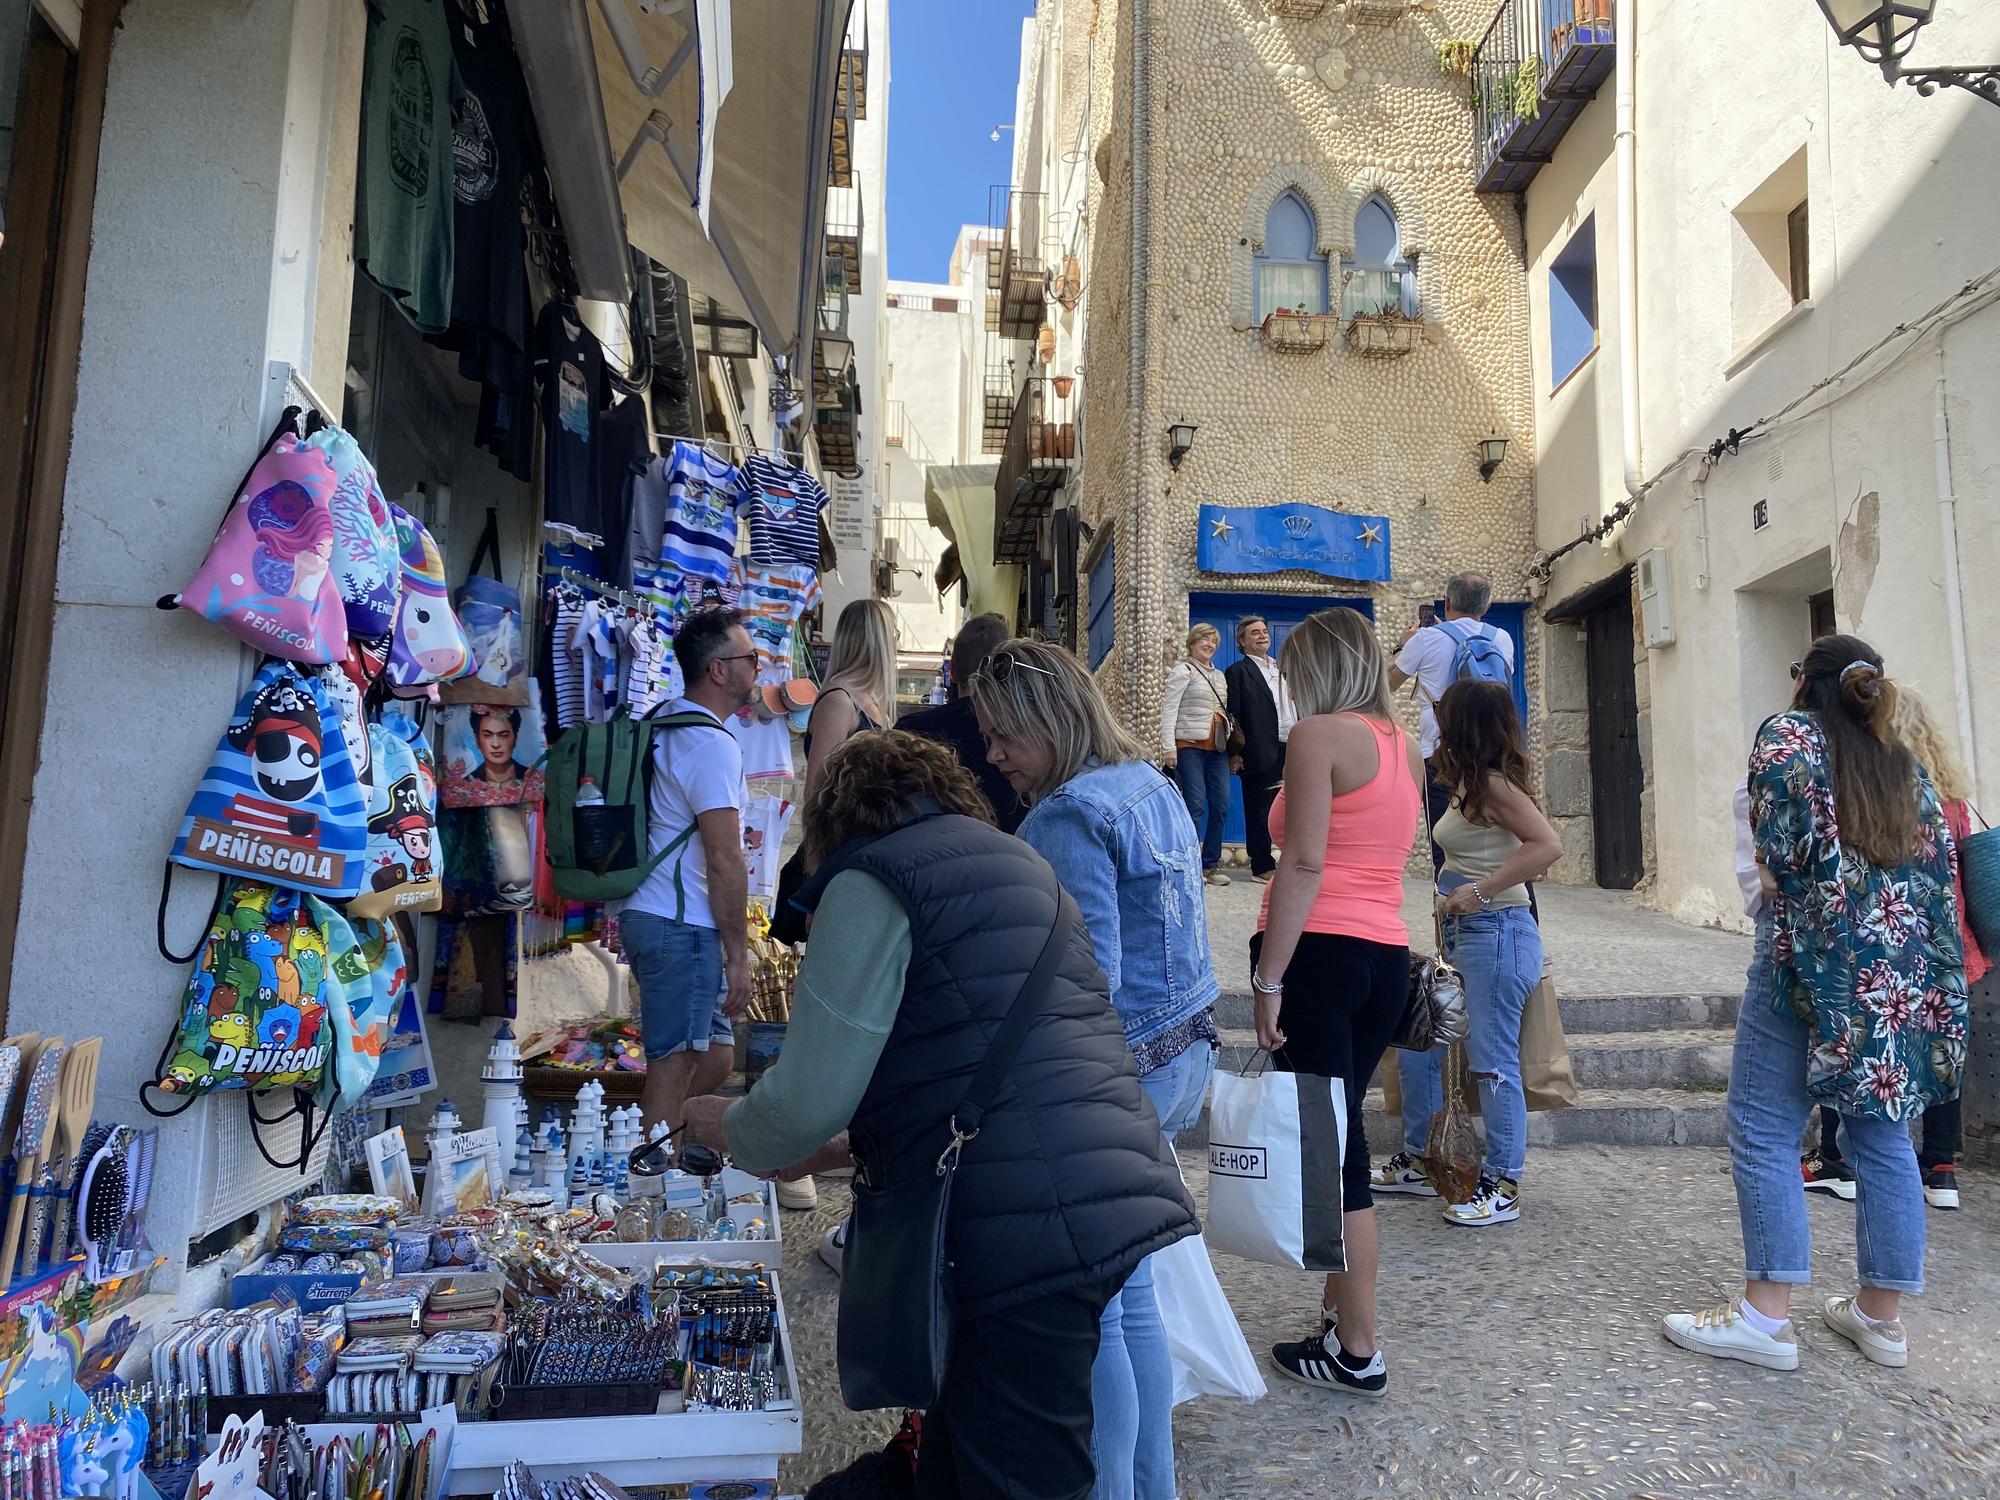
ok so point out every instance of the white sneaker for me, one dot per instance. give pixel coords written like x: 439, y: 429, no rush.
x: 1401, y: 1174
x: 833, y: 1246
x: 1721, y: 1331
x: 1216, y: 877
x: 800, y: 1194
x: 1491, y: 1203
x: 1885, y: 1343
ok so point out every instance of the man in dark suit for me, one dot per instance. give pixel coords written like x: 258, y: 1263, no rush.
x: 952, y: 723
x: 1262, y: 708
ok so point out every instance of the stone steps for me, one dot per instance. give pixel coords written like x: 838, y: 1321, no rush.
x: 1651, y: 1070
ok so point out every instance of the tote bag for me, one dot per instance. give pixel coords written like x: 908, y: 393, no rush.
x: 1979, y: 873
x: 280, y: 801
x: 492, y: 754
x: 490, y: 611
x: 1275, y: 1142
x: 268, y: 577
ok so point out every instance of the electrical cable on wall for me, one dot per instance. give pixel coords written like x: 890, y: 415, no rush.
x: 1986, y: 286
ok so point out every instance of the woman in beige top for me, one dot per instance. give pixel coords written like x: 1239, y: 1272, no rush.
x: 1495, y: 839
x: 1194, y: 735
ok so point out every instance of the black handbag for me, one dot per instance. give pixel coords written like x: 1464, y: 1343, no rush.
x: 895, y: 1315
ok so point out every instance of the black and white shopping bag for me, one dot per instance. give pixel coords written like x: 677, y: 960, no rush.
x: 1274, y: 1153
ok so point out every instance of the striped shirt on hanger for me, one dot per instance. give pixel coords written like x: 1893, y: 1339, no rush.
x: 782, y: 506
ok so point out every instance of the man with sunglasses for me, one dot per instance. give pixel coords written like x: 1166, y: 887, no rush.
x: 683, y: 930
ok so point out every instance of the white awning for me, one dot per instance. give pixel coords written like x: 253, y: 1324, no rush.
x: 639, y: 149
x: 958, y: 500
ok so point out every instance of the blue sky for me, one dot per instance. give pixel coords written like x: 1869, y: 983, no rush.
x: 952, y: 70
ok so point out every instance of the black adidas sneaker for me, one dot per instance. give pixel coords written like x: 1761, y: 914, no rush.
x: 1321, y: 1361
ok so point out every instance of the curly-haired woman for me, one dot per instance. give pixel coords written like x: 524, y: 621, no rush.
x: 928, y: 922
x: 1855, y: 999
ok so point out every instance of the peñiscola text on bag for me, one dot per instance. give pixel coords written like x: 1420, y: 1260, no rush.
x: 280, y: 800
x: 255, y: 1009
x: 400, y: 863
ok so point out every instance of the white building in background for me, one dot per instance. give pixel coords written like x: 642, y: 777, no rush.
x: 930, y: 363
x: 851, y: 372
x: 1772, y: 267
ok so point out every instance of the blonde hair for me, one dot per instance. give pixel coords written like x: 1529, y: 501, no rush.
x: 1030, y: 691
x: 863, y: 658
x: 1920, y: 734
x: 1198, y: 632
x: 1334, y: 665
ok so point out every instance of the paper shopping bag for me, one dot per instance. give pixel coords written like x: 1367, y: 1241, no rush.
x: 1547, y: 1079
x: 1274, y: 1154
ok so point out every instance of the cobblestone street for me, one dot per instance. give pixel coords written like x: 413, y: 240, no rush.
x: 1527, y: 1360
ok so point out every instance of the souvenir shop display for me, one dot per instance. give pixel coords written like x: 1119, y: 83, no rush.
x: 405, y: 1460
x: 490, y: 610
x: 400, y: 858
x: 427, y: 644
x: 95, y: 1453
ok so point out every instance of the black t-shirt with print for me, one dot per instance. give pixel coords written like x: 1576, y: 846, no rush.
x: 569, y: 363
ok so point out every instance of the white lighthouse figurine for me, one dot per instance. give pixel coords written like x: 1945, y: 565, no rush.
x: 438, y: 1192
x: 501, y: 1079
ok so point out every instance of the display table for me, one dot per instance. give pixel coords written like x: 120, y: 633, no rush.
x: 667, y: 1447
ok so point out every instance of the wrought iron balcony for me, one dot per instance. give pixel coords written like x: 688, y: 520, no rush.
x: 851, y: 82
x: 840, y: 147
x: 998, y: 406
x: 843, y: 233
x: 1539, y: 64
x: 833, y: 344
x: 1040, y: 451
x: 837, y: 427
x: 1017, y: 271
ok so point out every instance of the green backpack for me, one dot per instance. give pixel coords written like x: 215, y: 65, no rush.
x: 596, y: 839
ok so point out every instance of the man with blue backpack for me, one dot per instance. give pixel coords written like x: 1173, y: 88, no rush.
x: 1436, y: 653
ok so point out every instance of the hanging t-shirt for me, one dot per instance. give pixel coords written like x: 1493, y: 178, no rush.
x: 403, y: 229
x: 567, y: 658
x: 570, y: 365
x: 767, y: 745
x: 765, y: 822
x: 490, y: 123
x: 699, y: 497
x: 773, y: 601
x: 783, y: 510
x: 627, y: 444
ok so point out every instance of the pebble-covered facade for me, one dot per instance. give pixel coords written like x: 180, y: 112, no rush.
x: 1243, y: 106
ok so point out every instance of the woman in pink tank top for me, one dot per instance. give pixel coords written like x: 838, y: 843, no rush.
x: 1331, y: 957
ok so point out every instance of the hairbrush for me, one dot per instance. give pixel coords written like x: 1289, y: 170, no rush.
x: 107, y: 1190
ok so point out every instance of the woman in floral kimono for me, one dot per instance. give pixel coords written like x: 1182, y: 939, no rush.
x: 1856, y: 1000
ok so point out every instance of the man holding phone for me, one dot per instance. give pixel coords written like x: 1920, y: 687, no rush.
x: 1435, y: 653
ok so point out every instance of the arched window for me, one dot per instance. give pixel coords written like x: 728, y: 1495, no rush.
x: 1291, y: 274
x: 1378, y: 277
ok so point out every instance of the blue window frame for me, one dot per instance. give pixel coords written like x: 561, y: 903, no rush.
x: 1573, y: 304
x: 1378, y: 275
x: 1103, y: 604
x: 1291, y: 274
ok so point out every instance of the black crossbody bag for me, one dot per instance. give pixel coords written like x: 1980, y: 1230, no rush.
x: 895, y: 1318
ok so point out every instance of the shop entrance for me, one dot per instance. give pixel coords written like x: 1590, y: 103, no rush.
x: 1284, y: 612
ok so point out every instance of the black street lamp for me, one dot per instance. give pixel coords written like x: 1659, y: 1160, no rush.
x: 1491, y: 451
x: 1883, y: 31
x: 1180, y: 438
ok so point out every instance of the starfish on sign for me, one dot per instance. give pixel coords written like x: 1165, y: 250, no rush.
x: 1370, y: 534
x: 1220, y: 528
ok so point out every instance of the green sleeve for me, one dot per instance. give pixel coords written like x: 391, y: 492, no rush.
x: 843, y: 1004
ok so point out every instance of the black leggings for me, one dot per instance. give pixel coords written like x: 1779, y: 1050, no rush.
x: 1344, y: 999
x: 1940, y: 1147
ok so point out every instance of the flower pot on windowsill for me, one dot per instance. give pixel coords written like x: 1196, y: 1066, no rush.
x: 1384, y: 335
x: 1294, y: 332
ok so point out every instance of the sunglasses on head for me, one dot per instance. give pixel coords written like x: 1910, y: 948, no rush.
x: 999, y: 668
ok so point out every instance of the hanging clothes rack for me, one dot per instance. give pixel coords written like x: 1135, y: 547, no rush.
x: 604, y: 590
x: 707, y: 442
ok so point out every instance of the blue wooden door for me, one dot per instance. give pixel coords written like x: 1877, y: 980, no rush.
x: 1284, y: 612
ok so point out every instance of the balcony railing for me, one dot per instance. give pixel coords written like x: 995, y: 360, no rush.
x: 843, y: 233
x: 851, y: 82
x: 925, y: 302
x: 998, y: 406
x: 1019, y: 274
x: 1040, y: 451
x: 837, y: 428
x: 833, y: 344
x: 1539, y: 64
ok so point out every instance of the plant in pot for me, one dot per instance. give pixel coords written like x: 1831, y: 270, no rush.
x: 1527, y: 89
x: 1455, y: 56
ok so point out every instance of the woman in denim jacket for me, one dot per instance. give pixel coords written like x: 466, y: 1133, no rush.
x: 1123, y: 845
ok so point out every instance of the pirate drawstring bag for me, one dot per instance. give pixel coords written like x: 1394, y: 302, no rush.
x: 401, y: 863
x: 280, y: 801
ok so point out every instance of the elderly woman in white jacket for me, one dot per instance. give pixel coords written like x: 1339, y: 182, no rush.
x: 1194, y: 735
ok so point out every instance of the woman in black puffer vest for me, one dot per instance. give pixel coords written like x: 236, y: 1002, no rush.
x: 927, y: 921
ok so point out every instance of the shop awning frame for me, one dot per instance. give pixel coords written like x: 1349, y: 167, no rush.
x: 767, y: 211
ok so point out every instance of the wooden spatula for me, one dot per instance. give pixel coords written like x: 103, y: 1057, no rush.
x: 76, y: 1099
x: 38, y: 1123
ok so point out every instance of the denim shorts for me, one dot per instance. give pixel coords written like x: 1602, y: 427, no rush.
x: 679, y: 969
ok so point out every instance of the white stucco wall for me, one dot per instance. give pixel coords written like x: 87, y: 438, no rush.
x: 187, y: 254
x: 928, y: 359
x: 1902, y: 214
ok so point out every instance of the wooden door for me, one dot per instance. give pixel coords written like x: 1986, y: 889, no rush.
x: 1616, y: 773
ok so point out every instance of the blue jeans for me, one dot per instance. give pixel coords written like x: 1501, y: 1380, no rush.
x: 1768, y: 1108
x: 1132, y: 1381
x: 1499, y: 956
x: 1204, y: 781
x: 679, y: 969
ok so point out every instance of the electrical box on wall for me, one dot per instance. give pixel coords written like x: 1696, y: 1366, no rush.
x: 1656, y: 599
